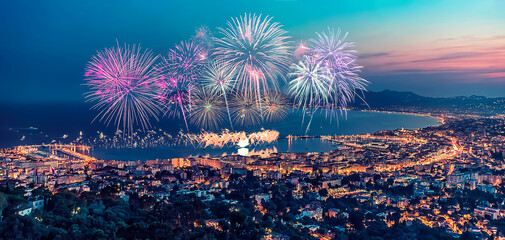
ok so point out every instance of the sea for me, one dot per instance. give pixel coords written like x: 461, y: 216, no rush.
x: 26, y: 124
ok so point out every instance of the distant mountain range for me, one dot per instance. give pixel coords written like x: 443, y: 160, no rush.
x: 389, y: 100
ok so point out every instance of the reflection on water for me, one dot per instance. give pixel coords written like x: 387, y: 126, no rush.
x: 253, y: 152
x: 163, y: 152
x: 51, y: 122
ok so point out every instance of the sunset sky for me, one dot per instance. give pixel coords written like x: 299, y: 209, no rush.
x: 430, y: 47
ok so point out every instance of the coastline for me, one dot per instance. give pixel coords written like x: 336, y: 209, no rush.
x: 440, y: 119
x: 296, y: 139
x: 346, y: 127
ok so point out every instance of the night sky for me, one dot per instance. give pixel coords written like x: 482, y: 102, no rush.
x: 430, y: 47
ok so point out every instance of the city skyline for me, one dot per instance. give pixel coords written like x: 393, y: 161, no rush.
x: 265, y: 120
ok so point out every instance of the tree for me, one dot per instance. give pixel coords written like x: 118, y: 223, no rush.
x: 3, y: 204
x: 323, y: 192
x: 467, y: 236
x: 356, y: 219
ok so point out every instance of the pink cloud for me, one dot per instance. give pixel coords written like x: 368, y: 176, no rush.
x: 482, y: 57
x: 495, y: 75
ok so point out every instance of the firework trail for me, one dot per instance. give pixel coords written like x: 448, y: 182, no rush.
x: 257, y: 48
x: 310, y: 85
x: 245, y: 110
x: 220, y: 76
x: 180, y: 72
x: 339, y: 57
x: 207, y: 111
x: 275, y: 106
x: 121, y: 83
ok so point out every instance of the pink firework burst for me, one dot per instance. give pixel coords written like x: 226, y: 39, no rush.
x: 338, y: 56
x: 301, y: 49
x: 122, y: 86
x: 187, y: 59
x: 180, y: 71
x: 203, y: 36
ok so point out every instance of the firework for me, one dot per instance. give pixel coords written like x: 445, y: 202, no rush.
x: 174, y: 94
x: 245, y: 110
x: 226, y: 138
x: 208, y: 109
x: 121, y: 82
x: 247, y: 59
x: 327, y: 77
x: 203, y: 36
x: 274, y: 106
x: 187, y: 59
x: 311, y: 86
x: 220, y: 77
x: 257, y: 48
x: 267, y: 136
x: 180, y: 71
x: 301, y: 50
x: 338, y: 56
